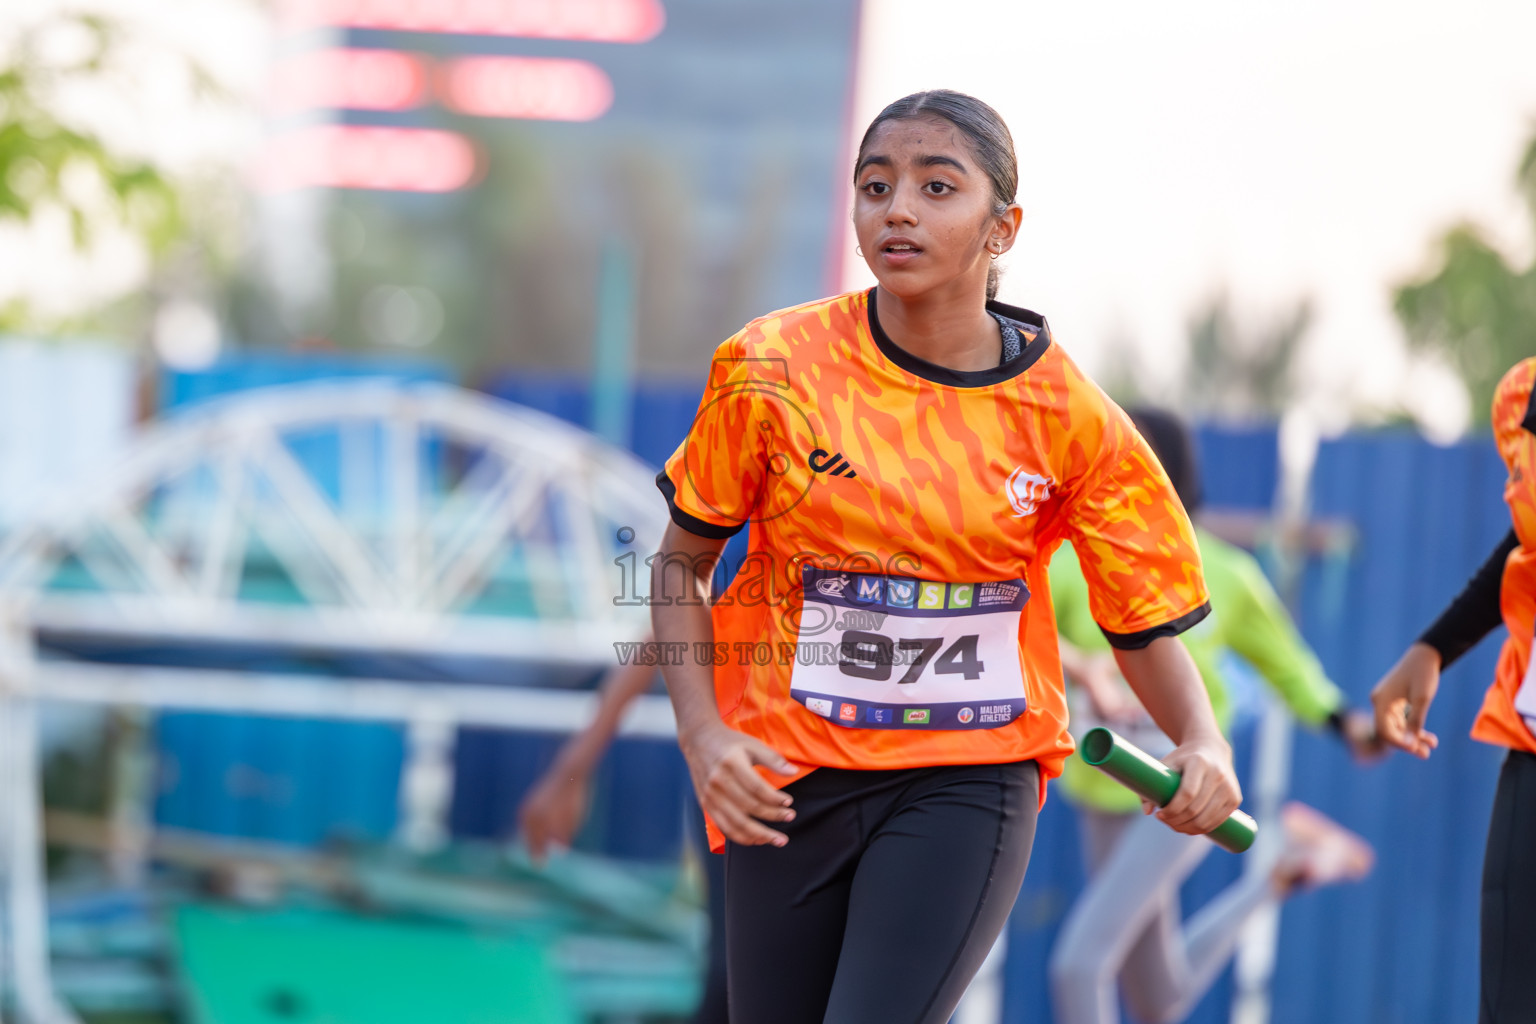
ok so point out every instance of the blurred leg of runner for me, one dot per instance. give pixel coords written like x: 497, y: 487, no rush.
x: 1128, y: 925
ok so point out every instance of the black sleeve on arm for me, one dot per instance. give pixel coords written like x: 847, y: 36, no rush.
x: 1475, y: 611
x: 1136, y: 641
x: 693, y: 524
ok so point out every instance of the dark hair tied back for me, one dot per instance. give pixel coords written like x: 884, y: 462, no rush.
x: 989, y: 137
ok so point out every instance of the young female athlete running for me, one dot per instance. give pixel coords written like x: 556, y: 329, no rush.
x: 1504, y: 589
x: 871, y: 709
x: 1127, y: 924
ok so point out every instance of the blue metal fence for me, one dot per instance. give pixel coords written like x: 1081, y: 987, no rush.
x: 1403, y: 946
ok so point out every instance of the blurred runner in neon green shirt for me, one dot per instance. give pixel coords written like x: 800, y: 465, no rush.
x: 1247, y: 619
x: 1127, y: 924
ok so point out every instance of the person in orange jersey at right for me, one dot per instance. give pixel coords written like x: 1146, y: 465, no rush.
x: 1503, y: 590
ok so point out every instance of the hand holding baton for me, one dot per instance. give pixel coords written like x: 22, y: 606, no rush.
x: 1148, y: 777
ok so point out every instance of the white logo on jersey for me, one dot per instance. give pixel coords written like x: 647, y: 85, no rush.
x: 1026, y: 491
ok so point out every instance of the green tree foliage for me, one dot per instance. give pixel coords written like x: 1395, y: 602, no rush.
x: 1476, y: 310
x: 46, y: 162
x: 1240, y: 364
x: 1242, y: 370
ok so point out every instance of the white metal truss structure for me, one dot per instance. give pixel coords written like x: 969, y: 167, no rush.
x: 362, y: 518
x: 427, y: 491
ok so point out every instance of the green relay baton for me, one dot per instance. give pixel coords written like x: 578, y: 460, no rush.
x: 1146, y: 776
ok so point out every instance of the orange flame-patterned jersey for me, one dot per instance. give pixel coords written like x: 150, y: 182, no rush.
x: 893, y: 609
x: 1514, y: 429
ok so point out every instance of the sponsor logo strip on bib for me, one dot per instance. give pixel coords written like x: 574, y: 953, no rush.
x: 900, y: 595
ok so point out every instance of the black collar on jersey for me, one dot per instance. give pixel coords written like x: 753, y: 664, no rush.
x: 1027, y: 357
x: 1529, y: 423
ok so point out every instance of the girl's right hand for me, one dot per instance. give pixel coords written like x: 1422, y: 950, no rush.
x: 1208, y: 791
x: 738, y: 799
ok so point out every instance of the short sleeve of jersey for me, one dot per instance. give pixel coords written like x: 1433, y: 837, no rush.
x: 1135, y: 543
x: 712, y: 481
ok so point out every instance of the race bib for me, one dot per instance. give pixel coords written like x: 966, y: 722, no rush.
x: 891, y: 652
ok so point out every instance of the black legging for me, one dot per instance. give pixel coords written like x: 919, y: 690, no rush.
x: 1509, y: 898
x: 887, y: 898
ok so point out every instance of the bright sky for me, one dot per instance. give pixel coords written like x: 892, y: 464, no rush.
x: 1280, y: 151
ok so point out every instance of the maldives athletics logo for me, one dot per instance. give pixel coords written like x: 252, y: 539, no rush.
x: 1026, y: 491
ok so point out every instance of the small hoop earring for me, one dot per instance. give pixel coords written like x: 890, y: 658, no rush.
x: 859, y: 251
x: 994, y: 255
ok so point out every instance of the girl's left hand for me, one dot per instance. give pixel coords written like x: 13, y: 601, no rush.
x: 1208, y: 789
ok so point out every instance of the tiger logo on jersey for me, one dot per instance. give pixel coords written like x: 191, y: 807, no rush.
x: 1026, y: 491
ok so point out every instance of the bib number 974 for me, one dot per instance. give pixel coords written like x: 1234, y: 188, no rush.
x: 874, y: 656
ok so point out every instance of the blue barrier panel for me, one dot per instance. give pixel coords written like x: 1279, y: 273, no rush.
x: 561, y: 395
x: 492, y: 769
x: 664, y: 411
x: 250, y: 369
x: 1240, y: 466
x: 1403, y: 946
x: 661, y: 412
x: 280, y: 779
x: 1241, y: 469
x: 637, y: 799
